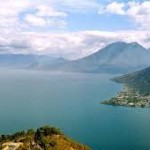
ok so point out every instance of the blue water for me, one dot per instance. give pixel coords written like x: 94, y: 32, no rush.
x: 71, y: 102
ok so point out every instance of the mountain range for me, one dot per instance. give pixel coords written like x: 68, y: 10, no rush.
x: 31, y: 61
x: 118, y: 57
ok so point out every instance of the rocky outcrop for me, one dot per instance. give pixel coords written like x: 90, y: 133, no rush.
x: 44, y: 138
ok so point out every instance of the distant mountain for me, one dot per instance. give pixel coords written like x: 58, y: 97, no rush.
x: 119, y: 57
x: 48, y: 64
x: 16, y: 59
x: 29, y: 61
x: 139, y: 81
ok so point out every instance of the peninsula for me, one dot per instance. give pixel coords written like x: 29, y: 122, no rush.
x: 136, y: 92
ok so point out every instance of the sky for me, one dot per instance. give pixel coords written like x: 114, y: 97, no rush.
x: 71, y: 28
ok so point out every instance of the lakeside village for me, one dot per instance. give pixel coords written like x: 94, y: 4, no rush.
x: 130, y: 98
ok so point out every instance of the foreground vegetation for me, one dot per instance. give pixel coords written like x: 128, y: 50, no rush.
x: 44, y: 138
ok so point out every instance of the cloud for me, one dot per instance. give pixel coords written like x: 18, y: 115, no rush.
x: 43, y: 10
x: 52, y: 13
x: 35, y: 20
x: 22, y: 23
x: 9, y: 11
x: 12, y: 7
x: 46, y: 16
x: 114, y: 8
x: 138, y: 12
x: 29, y: 13
x: 71, y: 45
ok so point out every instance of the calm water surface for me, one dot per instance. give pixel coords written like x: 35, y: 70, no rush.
x: 71, y: 102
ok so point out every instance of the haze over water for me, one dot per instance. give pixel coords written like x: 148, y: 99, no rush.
x: 71, y: 102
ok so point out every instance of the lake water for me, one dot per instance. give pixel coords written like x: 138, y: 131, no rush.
x: 71, y: 102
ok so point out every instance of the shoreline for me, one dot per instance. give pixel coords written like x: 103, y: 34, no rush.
x: 128, y: 97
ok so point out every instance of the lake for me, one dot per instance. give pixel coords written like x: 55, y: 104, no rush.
x: 71, y: 102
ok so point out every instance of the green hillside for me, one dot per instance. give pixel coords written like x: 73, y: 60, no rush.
x: 136, y: 92
x: 139, y: 81
x: 44, y: 138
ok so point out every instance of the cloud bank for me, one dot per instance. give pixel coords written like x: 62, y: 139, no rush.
x: 35, y: 26
x: 138, y: 12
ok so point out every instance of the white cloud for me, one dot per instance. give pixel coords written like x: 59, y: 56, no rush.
x: 18, y: 16
x: 35, y: 20
x: 16, y: 13
x: 45, y: 16
x: 138, y: 12
x: 44, y: 10
x: 114, y: 8
x: 12, y: 7
x: 70, y: 45
x: 9, y: 12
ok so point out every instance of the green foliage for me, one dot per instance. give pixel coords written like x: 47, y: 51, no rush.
x: 139, y: 81
x: 133, y: 100
x: 30, y: 132
x: 49, y: 131
x: 43, y: 132
x: 14, y: 137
